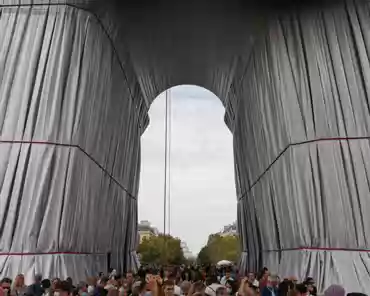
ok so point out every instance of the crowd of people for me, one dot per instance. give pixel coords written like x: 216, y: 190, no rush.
x: 171, y: 281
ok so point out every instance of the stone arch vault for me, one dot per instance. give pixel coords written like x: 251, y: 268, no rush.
x: 77, y: 78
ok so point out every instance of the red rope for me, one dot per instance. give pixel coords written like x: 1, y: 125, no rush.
x: 320, y: 249
x: 46, y: 253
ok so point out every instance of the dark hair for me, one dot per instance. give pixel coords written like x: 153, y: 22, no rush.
x: 46, y: 283
x: 212, y: 279
x: 104, y: 280
x: 168, y: 283
x: 63, y: 286
x: 301, y: 288
x: 6, y: 280
x: 142, y: 285
x: 198, y: 286
x: 234, y: 286
x: 285, y: 286
x: 219, y: 290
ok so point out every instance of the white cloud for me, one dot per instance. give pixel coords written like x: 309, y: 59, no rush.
x: 203, y: 197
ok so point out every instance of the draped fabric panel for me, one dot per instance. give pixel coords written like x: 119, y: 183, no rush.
x: 302, y: 147
x: 76, y: 83
x: 68, y: 173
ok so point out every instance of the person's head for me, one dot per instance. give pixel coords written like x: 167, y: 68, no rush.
x: 19, y: 281
x: 251, y: 277
x: 6, y: 284
x: 198, y: 288
x: 167, y: 272
x: 82, y: 289
x: 63, y: 288
x: 168, y: 288
x: 272, y: 280
x: 231, y: 286
x: 46, y: 284
x: 335, y: 290
x: 301, y: 290
x: 211, y: 280
x: 54, y: 283
x: 185, y: 287
x: 265, y: 275
x: 38, y: 278
x: 293, y: 279
x: 129, y: 277
x: 221, y: 291
x: 310, y: 283
x: 112, y: 292
x: 285, y: 286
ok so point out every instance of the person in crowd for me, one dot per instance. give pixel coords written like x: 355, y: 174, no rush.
x: 99, y: 289
x: 285, y: 287
x: 70, y: 282
x: 252, y: 280
x: 91, y: 285
x: 271, y: 288
x: 112, y: 292
x: 168, y: 288
x: 130, y: 281
x: 111, y: 284
x: 203, y: 282
x: 231, y: 286
x: 245, y: 289
x: 301, y: 290
x: 82, y: 289
x: 198, y: 288
x: 263, y: 278
x: 63, y: 288
x: 6, y: 284
x: 46, y: 285
x: 185, y: 287
x: 212, y: 285
x: 19, y: 288
x: 226, y: 277
x: 335, y: 290
x: 310, y: 283
x: 36, y: 288
x: 139, y: 288
x: 221, y: 291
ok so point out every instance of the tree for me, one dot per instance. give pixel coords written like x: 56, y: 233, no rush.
x: 161, y: 250
x: 203, y: 256
x: 220, y: 248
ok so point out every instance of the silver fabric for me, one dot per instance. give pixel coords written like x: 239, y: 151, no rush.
x: 77, y: 80
x: 74, y: 191
x: 304, y: 185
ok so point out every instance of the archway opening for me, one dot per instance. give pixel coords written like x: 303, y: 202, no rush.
x: 201, y: 171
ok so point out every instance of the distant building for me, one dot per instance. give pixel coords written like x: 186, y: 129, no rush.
x: 146, y: 230
x: 186, y: 251
x: 229, y: 230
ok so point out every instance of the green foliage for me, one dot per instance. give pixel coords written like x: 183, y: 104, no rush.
x: 161, y: 250
x: 220, y: 248
x: 203, y: 256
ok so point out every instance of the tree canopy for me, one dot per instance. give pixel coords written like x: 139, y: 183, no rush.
x: 161, y: 250
x: 220, y: 248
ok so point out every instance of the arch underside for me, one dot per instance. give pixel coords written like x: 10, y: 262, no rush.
x: 77, y: 80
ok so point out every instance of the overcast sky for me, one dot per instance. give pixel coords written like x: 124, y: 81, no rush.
x: 203, y: 197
